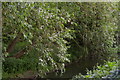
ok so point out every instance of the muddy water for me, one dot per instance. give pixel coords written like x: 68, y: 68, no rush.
x: 74, y: 69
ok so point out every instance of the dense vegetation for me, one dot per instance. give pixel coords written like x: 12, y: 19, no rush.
x: 44, y: 37
x: 107, y: 71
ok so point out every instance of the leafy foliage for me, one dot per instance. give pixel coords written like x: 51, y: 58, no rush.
x: 95, y: 26
x: 45, y: 36
x: 40, y: 28
x: 100, y: 71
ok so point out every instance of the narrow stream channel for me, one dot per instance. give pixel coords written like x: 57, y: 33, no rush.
x: 74, y: 69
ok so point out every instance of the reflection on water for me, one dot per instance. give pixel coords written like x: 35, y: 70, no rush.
x: 74, y: 69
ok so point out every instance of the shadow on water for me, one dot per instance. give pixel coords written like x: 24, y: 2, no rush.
x: 74, y: 69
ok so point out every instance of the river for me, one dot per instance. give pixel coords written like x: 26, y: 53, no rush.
x: 74, y: 69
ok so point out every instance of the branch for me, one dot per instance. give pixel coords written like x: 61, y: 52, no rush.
x: 11, y: 46
x: 21, y: 52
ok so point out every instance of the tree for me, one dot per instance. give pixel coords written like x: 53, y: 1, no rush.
x: 36, y: 27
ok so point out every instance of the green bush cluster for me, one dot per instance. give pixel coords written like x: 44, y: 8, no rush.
x: 15, y: 66
x: 101, y: 71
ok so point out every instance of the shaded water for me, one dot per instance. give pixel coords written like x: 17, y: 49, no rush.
x: 74, y: 69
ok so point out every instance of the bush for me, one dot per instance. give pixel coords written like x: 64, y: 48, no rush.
x: 101, y: 71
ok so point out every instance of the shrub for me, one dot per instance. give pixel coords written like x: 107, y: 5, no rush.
x: 101, y: 71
